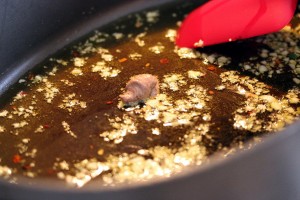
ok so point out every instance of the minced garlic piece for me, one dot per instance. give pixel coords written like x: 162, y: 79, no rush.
x: 195, y: 74
x: 155, y: 131
x: 19, y: 96
x: 104, y: 70
x: 22, y: 81
x: 38, y: 79
x: 5, y: 171
x: 49, y: 90
x: 173, y: 81
x: 220, y: 87
x: 53, y: 71
x: 152, y: 16
x: 105, y: 55
x: 79, y: 62
x: 2, y: 129
x: 67, y: 128
x: 67, y: 82
x: 138, y: 39
x: 39, y: 129
x: 76, y: 72
x: 64, y: 165
x: 70, y: 103
x: 62, y: 62
x: 200, y: 43
x: 118, y: 35
x: 135, y: 56
x: 157, y: 49
x: 31, y: 154
x: 171, y: 34
x: 19, y: 124
x: 3, y: 113
x: 186, y: 53
x: 121, y: 129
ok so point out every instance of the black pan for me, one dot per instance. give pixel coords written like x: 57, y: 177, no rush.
x: 32, y: 30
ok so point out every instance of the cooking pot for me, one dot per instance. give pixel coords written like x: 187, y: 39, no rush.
x: 32, y: 30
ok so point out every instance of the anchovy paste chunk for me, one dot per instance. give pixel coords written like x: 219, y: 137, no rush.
x: 139, y: 88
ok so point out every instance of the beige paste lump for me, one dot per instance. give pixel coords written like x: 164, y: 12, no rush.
x: 139, y: 88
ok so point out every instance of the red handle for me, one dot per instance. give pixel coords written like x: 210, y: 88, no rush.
x: 220, y: 21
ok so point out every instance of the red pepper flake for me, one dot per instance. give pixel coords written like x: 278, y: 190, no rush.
x: 211, y: 92
x: 277, y: 61
x: 30, y: 76
x: 26, y: 167
x: 75, y: 53
x: 249, y: 112
x: 14, y: 107
x: 211, y: 68
x: 17, y: 158
x: 147, y: 65
x: 109, y: 102
x: 50, y: 171
x: 46, y: 126
x: 22, y: 93
x: 91, y: 146
x: 164, y: 61
x: 122, y: 60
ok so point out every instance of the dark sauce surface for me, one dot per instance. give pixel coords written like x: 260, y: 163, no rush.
x: 57, y: 148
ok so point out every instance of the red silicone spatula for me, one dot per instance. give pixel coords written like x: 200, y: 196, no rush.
x: 219, y: 21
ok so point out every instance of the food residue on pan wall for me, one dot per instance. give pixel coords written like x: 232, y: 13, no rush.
x: 68, y: 122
